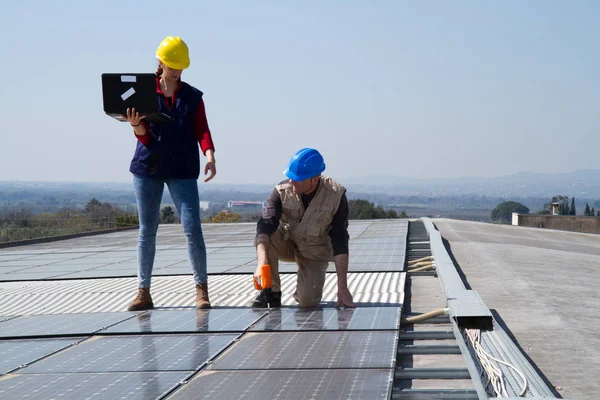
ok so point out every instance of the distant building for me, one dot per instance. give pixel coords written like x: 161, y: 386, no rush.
x: 204, y: 205
x: 245, y: 206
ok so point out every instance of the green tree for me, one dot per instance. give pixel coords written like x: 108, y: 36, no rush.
x: 593, y: 212
x: 503, y: 212
x: 563, y: 205
x: 587, y: 210
x: 598, y: 215
x: 167, y: 215
x: 364, y: 209
x: 92, y: 205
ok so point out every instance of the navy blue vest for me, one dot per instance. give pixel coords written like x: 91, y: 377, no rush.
x: 173, y: 151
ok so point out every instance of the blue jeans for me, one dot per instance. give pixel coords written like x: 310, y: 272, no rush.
x: 184, y: 192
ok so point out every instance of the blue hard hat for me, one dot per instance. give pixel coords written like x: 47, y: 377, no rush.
x: 306, y: 163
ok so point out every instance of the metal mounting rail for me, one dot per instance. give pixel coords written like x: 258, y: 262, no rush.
x: 466, y: 306
x: 468, y: 311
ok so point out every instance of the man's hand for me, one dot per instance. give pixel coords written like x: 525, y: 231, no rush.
x: 344, y: 298
x: 257, y: 277
x: 344, y: 295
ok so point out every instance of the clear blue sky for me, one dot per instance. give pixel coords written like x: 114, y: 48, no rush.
x: 417, y: 89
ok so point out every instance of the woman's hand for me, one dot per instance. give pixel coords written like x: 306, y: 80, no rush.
x: 210, y: 165
x: 134, y: 117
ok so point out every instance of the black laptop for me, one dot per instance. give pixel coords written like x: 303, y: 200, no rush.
x: 122, y: 91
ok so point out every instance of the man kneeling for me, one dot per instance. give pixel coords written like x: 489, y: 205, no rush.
x: 305, y: 221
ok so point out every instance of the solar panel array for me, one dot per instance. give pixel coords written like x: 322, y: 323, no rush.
x: 374, y: 246
x: 153, y: 354
x: 184, y: 353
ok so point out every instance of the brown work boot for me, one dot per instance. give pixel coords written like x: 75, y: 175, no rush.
x: 202, y: 300
x: 143, y: 301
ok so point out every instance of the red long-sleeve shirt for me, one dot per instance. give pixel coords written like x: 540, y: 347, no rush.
x: 200, y: 123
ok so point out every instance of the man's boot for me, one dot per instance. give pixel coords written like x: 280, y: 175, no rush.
x: 262, y: 300
x: 143, y: 301
x: 202, y: 300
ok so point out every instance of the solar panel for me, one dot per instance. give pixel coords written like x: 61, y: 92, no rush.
x: 30, y: 251
x: 135, y: 354
x: 300, y: 350
x: 361, y: 246
x: 110, y: 258
x: 95, y: 273
x: 61, y: 324
x: 214, y: 320
x: 77, y: 250
x: 8, y: 269
x: 23, y: 263
x: 229, y: 262
x: 16, y: 353
x: 54, y: 257
x: 382, y: 239
x: 246, y: 250
x: 285, y: 268
x: 24, y: 276
x: 62, y: 269
x: 363, y: 318
x: 251, y: 267
x: 124, y: 266
x: 370, y: 267
x: 10, y: 257
x: 341, y: 384
x: 130, y: 386
x: 375, y: 258
x: 176, y: 270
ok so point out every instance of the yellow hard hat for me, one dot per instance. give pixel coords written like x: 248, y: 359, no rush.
x: 174, y: 53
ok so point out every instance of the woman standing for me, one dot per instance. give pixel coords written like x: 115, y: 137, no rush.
x: 167, y: 153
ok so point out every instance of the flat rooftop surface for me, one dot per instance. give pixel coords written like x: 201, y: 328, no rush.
x: 545, y: 286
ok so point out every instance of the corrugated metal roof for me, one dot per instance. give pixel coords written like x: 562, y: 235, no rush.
x: 102, y: 295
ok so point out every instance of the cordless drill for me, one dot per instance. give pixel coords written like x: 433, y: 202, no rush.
x: 265, y: 283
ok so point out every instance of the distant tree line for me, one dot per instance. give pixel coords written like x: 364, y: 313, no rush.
x: 563, y: 206
x: 21, y: 223
x: 364, y: 209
